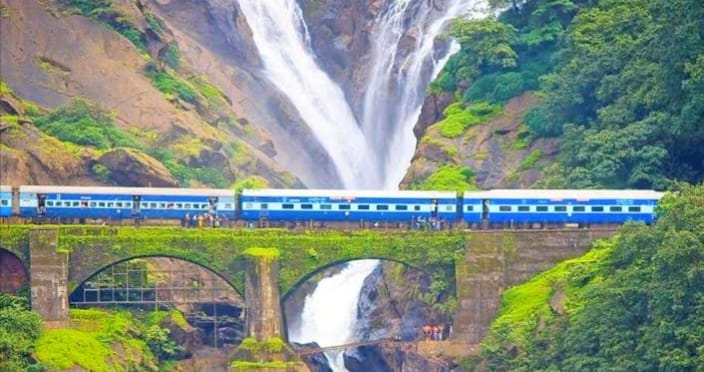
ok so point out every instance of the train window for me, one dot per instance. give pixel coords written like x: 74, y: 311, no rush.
x: 615, y: 209
x: 325, y: 206
x: 84, y: 203
x: 284, y: 206
x: 179, y: 205
x: 128, y: 205
x: 505, y: 208
x: 578, y: 209
x: 560, y: 208
x: 597, y: 209
x: 248, y: 205
x: 634, y: 209
x: 145, y: 205
x: 541, y: 208
x: 118, y: 204
x: 187, y: 205
x: 363, y: 207
x: 306, y: 206
x: 401, y: 207
x: 111, y: 204
x: 416, y: 208
x: 3, y: 202
x: 74, y: 204
x: 470, y: 208
x: 448, y: 208
x: 523, y: 208
x: 50, y: 204
x: 154, y: 205
x: 101, y: 204
x: 228, y: 206
x: 93, y: 204
x: 343, y: 206
x: 382, y: 207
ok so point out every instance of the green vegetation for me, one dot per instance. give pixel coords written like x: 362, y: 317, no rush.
x: 107, y: 12
x: 458, y: 119
x: 268, y: 254
x: 95, y: 337
x: 246, y: 365
x: 19, y: 330
x: 5, y: 89
x: 172, y: 56
x: 172, y: 85
x: 84, y: 123
x: 184, y: 174
x: 250, y: 182
x: 530, y: 160
x: 450, y: 178
x: 622, y: 83
x: 633, y: 302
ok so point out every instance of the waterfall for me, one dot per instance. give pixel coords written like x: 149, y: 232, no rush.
x: 330, y: 311
x: 282, y: 40
x: 399, y: 78
x: 373, y: 153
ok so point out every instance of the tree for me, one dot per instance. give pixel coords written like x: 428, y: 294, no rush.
x: 19, y: 329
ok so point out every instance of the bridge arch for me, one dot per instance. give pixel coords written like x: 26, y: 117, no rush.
x: 303, y: 279
x: 104, y: 267
x: 14, y: 274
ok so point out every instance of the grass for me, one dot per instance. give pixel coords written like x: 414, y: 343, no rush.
x: 458, y: 119
x: 530, y: 160
x: 523, y: 306
x: 88, y: 343
x: 450, y: 178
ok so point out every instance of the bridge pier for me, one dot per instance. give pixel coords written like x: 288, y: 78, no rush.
x: 48, y: 272
x: 264, y: 319
x: 265, y: 348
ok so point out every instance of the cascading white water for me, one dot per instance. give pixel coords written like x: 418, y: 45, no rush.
x: 374, y: 154
x: 330, y: 311
x: 398, y: 82
x: 282, y: 39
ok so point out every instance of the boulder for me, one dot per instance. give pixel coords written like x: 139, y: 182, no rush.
x: 129, y: 167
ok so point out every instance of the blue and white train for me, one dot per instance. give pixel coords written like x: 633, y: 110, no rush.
x: 473, y: 208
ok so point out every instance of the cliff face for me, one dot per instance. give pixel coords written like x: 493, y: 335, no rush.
x: 50, y: 55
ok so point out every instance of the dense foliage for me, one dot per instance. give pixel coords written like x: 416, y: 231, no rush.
x: 19, y: 329
x: 635, y: 302
x: 622, y: 81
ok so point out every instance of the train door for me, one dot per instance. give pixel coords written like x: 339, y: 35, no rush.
x: 41, y: 205
x: 136, y: 205
x: 15, y: 201
x: 212, y: 205
x: 485, y: 212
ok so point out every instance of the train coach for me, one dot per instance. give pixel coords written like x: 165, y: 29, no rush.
x: 123, y: 202
x: 346, y: 205
x: 582, y: 207
x: 5, y: 201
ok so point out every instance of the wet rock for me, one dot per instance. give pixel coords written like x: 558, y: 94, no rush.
x: 130, y: 167
x: 367, y: 358
x: 316, y: 362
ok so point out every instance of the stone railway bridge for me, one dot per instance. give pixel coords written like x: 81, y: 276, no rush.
x: 481, y: 263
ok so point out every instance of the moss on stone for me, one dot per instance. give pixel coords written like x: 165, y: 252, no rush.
x: 268, y: 254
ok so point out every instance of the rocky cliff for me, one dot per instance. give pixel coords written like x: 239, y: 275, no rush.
x: 179, y: 74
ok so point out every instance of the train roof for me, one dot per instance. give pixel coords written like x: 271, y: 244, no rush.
x: 5, y: 188
x: 336, y: 193
x: 564, y: 194
x: 101, y: 190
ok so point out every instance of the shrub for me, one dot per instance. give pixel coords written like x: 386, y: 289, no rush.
x: 84, y: 123
x: 169, y: 84
x: 172, y: 56
x: 101, y: 173
x: 457, y: 119
x: 449, y: 177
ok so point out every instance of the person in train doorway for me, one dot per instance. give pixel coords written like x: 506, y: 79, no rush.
x: 186, y: 220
